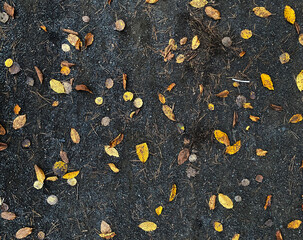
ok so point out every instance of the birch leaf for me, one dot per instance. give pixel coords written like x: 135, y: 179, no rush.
x: 198, y: 3
x: 261, y: 12
x: 57, y: 86
x: 195, y: 43
x: 74, y: 135
x: 111, y: 151
x: 225, y: 201
x: 266, y: 81
x: 222, y: 137
x: 23, y: 232
x: 159, y: 210
x: 173, y: 192
x: 71, y: 175
x: 148, y: 226
x: 296, y: 118
x: 218, y: 226
x: 212, y: 202
x: 113, y: 167
x: 142, y: 152
x: 39, y: 174
x: 294, y: 224
x: 168, y: 112
x: 289, y: 14
x: 19, y: 121
x: 299, y: 81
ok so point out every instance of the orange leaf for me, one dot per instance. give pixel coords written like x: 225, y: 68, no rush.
x: 170, y: 87
x: 88, y: 39
x: 17, y: 109
x: 65, y: 70
x: 3, y: 146
x: 222, y: 137
x: 279, y: 235
x: 116, y: 141
x: 39, y: 74
x: 9, y: 9
x: 83, y: 87
x: 183, y: 156
x: 260, y: 152
x: 43, y: 28
x: 213, y: 13
x: 268, y: 202
x: 161, y: 98
x: 2, y: 130
x: 78, y: 44
x: 223, y: 94
x: 234, y: 148
x: 212, y: 202
x: 296, y: 118
x: 124, y: 80
x: 294, y: 224
x: 266, y: 81
x: 71, y: 175
x: 254, y: 118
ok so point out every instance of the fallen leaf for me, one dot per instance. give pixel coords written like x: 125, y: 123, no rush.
x: 234, y: 148
x: 284, y: 58
x: 266, y: 80
x: 260, y: 152
x: 236, y: 236
x: 107, y: 235
x: 3, y: 146
x: 113, y: 167
x: 119, y: 25
x: 148, y: 226
x: 17, y: 109
x: 279, y: 235
x: 301, y: 39
x: 64, y: 157
x: 73, y: 39
x: 70, y: 31
x: 173, y: 193
x: 2, y: 130
x: 161, y: 98
x: 294, y: 224
x: 259, y: 178
x: 57, y: 86
x: 67, y: 64
x: 70, y: 175
x: 180, y: 58
x: 254, y: 118
x: 138, y: 102
x: 52, y: 178
x: 117, y: 140
x: 109, y: 83
x: 168, y: 112
x: 235, y: 119
x: 222, y: 137
x: 212, y: 12
x: 241, y: 54
x: 201, y: 88
x: 299, y: 81
x: 267, y: 202
x: 247, y: 105
x: 14, y: 69
x: 158, y: 210
x: 240, y: 100
x: 83, y: 87
x: 211, y: 107
x: 296, y: 118
x: 39, y: 174
x: 246, y: 34
x: 8, y: 216
x: 170, y: 87
x: 111, y: 151
x: 39, y: 74
x: 43, y: 28
x: 105, y: 227
x: 195, y: 43
x: 65, y: 47
x: 142, y: 152
x: 183, y: 156
x: 78, y: 44
x: 223, y: 94
x: 60, y: 168
x: 183, y: 41
x: 297, y: 27
x: 276, y: 107
x: 8, y: 62
x: 19, y: 121
x: 88, y: 39
x: 9, y: 9
x: 124, y: 79
x: 151, y: 1
x: 225, y: 201
x: 261, y: 12
x: 218, y: 226
x: 128, y: 96
x: 67, y: 87
x: 212, y: 202
x: 65, y: 70
x: 23, y: 232
x: 173, y: 44
x: 289, y: 14
x: 74, y: 135
x: 198, y: 3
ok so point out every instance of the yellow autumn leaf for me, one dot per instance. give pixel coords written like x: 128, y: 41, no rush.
x: 168, y: 112
x: 52, y: 178
x: 19, y: 121
x: 71, y: 175
x: 296, y: 118
x: 266, y: 81
x: 247, y: 105
x: 142, y: 152
x: 211, y: 107
x: 246, y: 34
x: 173, y: 44
x: 222, y: 137
x: 65, y: 70
x: 148, y: 226
x: 299, y: 81
x: 234, y: 148
x: 212, y: 12
x: 128, y: 96
x: 159, y: 210
x: 8, y: 62
x: 284, y: 58
x: 180, y: 58
x: 260, y: 152
x: 225, y: 201
x: 236, y: 236
x: 173, y: 192
x: 72, y: 39
x: 57, y: 86
x: 113, y: 167
x: 111, y: 151
x: 254, y: 118
x: 39, y: 174
x: 195, y: 43
x: 198, y: 3
x: 151, y: 1
x: 74, y: 135
x: 289, y: 14
x: 294, y: 224
x: 261, y: 12
x: 212, y: 202
x: 301, y: 39
x: 60, y: 168
x: 107, y: 235
x: 218, y: 226
x: 161, y: 98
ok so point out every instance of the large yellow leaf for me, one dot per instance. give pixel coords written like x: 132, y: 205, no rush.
x: 195, y: 43
x: 222, y: 137
x: 173, y: 192
x: 74, y: 135
x: 168, y: 112
x: 299, y: 81
x: 296, y: 118
x: 19, y: 121
x: 39, y: 174
x: 71, y: 175
x: 111, y: 151
x: 266, y: 80
x: 142, y: 152
x: 289, y: 14
x: 57, y: 86
x: 261, y: 12
x: 198, y: 3
x: 294, y: 224
x: 148, y: 226
x: 218, y: 226
x: 225, y: 201
x: 234, y: 148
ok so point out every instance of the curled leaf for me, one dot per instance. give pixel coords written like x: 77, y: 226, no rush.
x: 254, y: 118
x: 161, y: 98
x: 9, y: 9
x: 234, y: 148
x: 39, y: 74
x: 212, y: 202
x: 83, y: 87
x: 117, y: 140
x: 2, y: 130
x: 88, y: 39
x: 222, y: 137
x: 260, y: 152
x: 267, y: 202
x: 223, y: 94
x: 3, y: 146
x: 39, y: 174
x: 113, y: 167
x: 170, y: 87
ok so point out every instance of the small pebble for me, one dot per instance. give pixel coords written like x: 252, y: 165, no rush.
x: 105, y: 121
x: 138, y: 102
x: 252, y: 95
x: 109, y: 83
x: 192, y: 157
x: 269, y: 223
x: 38, y: 185
x: 15, y: 68
x: 85, y: 19
x: 4, y: 207
x: 65, y: 47
x: 30, y: 81
x: 26, y: 143
x: 238, y: 198
x: 52, y: 200
x: 4, y: 17
x: 227, y: 42
x: 259, y: 178
x: 245, y: 182
x: 72, y: 181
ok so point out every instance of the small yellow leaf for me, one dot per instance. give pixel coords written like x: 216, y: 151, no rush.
x: 289, y: 14
x: 113, y: 167
x: 128, y: 96
x: 17, y: 109
x: 159, y: 210
x: 173, y: 44
x: 151, y: 1
x: 60, y: 168
x: 180, y: 58
x: 296, y: 118
x: 111, y: 151
x: 234, y: 148
x: 284, y: 58
x: 99, y: 100
x: 211, y: 107
x: 218, y: 226
x: 266, y: 81
x: 213, y: 13
x: 8, y: 62
x: 212, y: 202
x: 55, y: 103
x: 65, y: 70
x: 43, y: 28
x: 39, y: 174
x: 198, y: 3
x: 74, y: 135
x: 73, y: 39
x: 260, y: 152
x: 246, y: 34
x: 107, y: 235
x: 161, y: 98
x: 168, y: 112
x: 117, y: 140
x: 52, y: 178
x: 261, y: 12
x: 247, y: 105
x: 148, y: 226
x: 19, y: 121
x: 299, y: 81
x: 294, y: 224
x: 222, y: 137
x: 57, y: 86
x: 254, y: 118
x: 301, y: 39
x: 225, y: 201
x: 195, y: 43
x: 71, y: 175
x: 236, y: 236
x: 173, y: 192
x: 142, y: 152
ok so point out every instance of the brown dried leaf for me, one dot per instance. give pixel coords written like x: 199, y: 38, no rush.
x: 183, y: 156
x: 67, y: 64
x: 297, y: 27
x: 2, y: 130
x: 235, y: 119
x: 116, y: 141
x: 124, y: 78
x: 64, y: 157
x: 19, y: 121
x: 105, y: 227
x: 70, y: 31
x: 276, y: 107
x: 279, y: 235
x: 9, y: 9
x: 39, y: 74
x: 83, y: 87
x: 78, y: 44
x: 3, y: 146
x: 23, y: 232
x: 223, y: 94
x: 88, y: 39
x: 74, y: 135
x: 8, y: 215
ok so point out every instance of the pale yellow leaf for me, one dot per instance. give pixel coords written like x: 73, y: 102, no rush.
x: 222, y: 137
x: 294, y: 224
x: 173, y: 192
x: 142, y: 152
x: 113, y: 167
x: 213, y: 13
x: 168, y: 112
x: 52, y: 178
x: 195, y: 43
x: 218, y: 226
x: 71, y: 175
x: 74, y: 135
x: 299, y: 81
x: 296, y: 118
x: 57, y: 86
x: 151, y: 1
x: 198, y: 3
x: 225, y: 201
x: 19, y: 121
x: 266, y: 81
x: 289, y: 14
x: 234, y: 148
x: 148, y: 226
x: 111, y: 151
x: 261, y: 12
x: 260, y: 152
x: 212, y: 202
x: 246, y: 34
x: 301, y: 39
x: 159, y: 210
x: 180, y: 58
x: 236, y: 236
x: 39, y: 174
x: 284, y: 58
x: 23, y: 232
